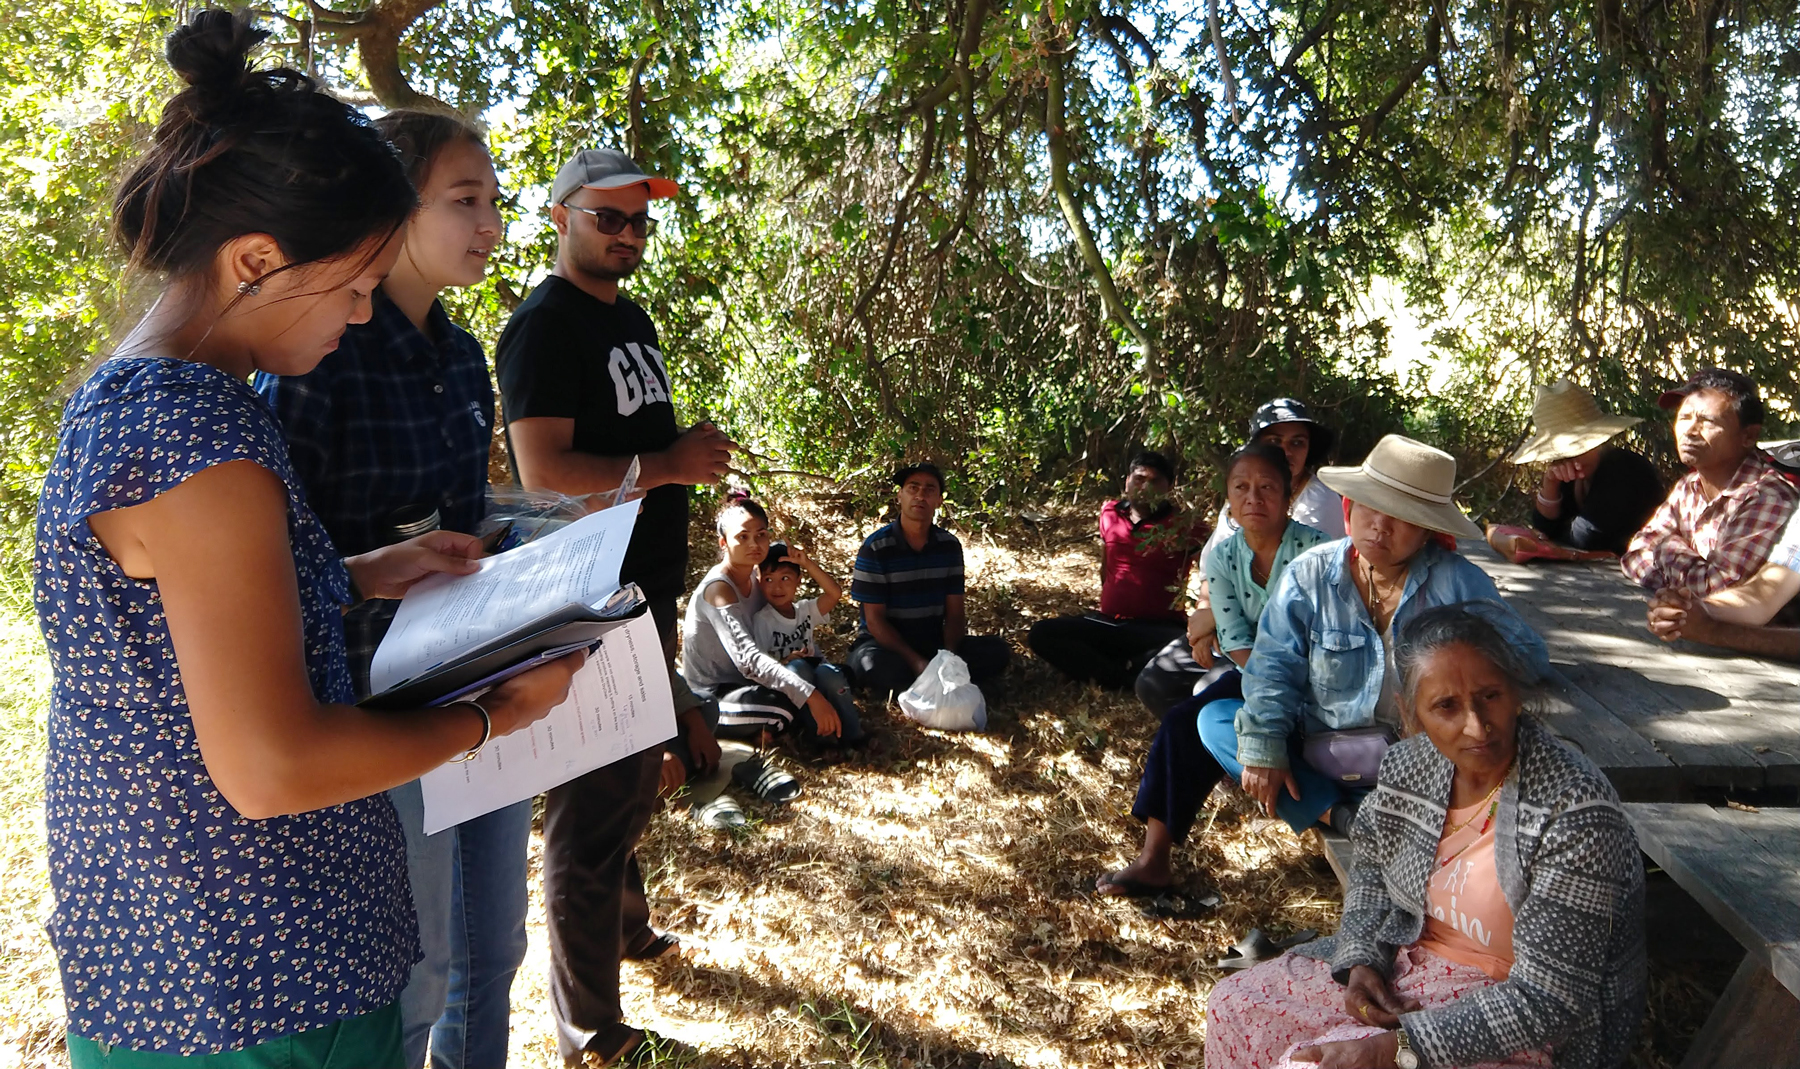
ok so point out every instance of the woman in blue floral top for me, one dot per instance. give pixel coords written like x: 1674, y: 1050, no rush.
x: 229, y: 881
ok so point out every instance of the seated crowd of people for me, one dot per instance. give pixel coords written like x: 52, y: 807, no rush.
x: 236, y: 504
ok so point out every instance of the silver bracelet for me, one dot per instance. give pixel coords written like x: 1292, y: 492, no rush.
x: 487, y: 731
x: 1542, y: 500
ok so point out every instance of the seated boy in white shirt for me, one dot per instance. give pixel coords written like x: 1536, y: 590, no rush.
x: 786, y: 629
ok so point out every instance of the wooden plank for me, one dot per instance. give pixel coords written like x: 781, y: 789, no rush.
x: 1638, y: 771
x: 1339, y: 854
x: 1742, y: 872
x: 1777, y: 831
x: 1754, y: 1023
x: 1675, y: 719
x: 1720, y: 718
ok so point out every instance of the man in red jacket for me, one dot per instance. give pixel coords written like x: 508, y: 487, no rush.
x: 1148, y: 549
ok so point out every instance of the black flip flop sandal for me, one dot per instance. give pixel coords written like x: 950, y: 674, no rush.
x: 1256, y: 947
x: 721, y: 814
x: 661, y: 947
x: 763, y: 779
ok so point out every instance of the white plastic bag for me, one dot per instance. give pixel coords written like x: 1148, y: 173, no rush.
x: 943, y: 698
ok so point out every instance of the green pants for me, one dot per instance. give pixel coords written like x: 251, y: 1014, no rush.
x: 369, y: 1041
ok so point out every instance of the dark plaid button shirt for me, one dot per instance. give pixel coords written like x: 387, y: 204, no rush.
x: 389, y: 420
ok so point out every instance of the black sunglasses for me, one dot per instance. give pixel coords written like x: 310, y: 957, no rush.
x: 612, y: 220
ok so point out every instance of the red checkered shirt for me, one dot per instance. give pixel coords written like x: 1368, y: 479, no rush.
x: 1705, y: 546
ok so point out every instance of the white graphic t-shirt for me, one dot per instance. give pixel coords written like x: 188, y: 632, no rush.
x: 784, y: 637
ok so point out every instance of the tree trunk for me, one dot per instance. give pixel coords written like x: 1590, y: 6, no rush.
x: 1056, y: 129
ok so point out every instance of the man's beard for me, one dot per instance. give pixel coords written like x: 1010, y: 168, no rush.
x: 599, y: 267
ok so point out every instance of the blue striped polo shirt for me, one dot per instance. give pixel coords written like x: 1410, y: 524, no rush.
x: 911, y: 585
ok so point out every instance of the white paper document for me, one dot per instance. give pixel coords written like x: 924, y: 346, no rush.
x: 619, y: 703
x: 444, y: 615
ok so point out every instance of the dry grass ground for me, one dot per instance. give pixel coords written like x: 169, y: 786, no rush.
x: 930, y: 907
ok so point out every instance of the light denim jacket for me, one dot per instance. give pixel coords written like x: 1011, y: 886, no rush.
x: 1319, y: 664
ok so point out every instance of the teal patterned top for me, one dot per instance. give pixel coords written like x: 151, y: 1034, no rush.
x: 1237, y: 601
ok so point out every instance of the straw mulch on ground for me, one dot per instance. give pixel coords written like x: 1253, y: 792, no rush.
x: 927, y: 907
x: 933, y: 907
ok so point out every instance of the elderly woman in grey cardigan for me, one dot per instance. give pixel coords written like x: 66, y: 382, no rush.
x: 1495, y: 910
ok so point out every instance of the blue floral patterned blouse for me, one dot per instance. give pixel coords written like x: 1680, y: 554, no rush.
x: 180, y: 926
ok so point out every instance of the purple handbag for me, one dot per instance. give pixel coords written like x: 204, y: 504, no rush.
x: 1351, y: 756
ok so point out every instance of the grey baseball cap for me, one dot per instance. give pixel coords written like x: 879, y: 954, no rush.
x: 605, y: 168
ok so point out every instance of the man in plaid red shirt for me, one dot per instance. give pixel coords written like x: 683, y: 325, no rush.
x: 1722, y: 518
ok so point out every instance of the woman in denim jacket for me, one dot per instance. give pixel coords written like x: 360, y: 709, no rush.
x: 1322, y: 661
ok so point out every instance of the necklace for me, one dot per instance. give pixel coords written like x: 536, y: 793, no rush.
x: 1491, y: 805
x: 1376, y: 600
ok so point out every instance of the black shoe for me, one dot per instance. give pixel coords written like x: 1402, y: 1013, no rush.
x: 1343, y: 817
x: 760, y: 777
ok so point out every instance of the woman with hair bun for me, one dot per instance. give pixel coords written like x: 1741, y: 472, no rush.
x: 758, y: 696
x: 229, y: 879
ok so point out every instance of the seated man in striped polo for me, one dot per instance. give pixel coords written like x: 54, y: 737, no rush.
x: 909, y: 581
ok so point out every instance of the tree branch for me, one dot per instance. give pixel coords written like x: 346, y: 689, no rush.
x: 966, y: 45
x: 1310, y: 38
x: 634, y: 101
x: 377, y: 31
x: 902, y: 210
x: 1056, y: 128
x: 1225, y: 73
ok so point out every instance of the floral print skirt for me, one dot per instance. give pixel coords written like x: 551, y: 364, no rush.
x: 1260, y: 1017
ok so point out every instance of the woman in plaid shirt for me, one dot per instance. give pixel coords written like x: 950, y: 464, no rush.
x: 397, y: 423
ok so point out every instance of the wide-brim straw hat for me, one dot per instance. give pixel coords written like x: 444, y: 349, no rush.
x: 1568, y: 423
x: 1409, y: 481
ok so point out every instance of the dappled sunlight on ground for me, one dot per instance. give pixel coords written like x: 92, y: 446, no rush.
x: 931, y: 906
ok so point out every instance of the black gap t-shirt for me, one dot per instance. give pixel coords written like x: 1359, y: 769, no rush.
x: 566, y: 354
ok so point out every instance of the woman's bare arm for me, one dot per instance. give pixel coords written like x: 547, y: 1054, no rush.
x: 217, y: 546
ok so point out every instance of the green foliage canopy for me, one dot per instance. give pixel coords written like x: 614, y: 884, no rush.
x: 1022, y: 237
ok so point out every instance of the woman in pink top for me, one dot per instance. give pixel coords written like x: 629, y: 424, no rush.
x: 1495, y: 910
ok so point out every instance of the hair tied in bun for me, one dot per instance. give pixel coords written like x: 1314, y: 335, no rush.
x: 212, y: 53
x: 736, y: 500
x: 247, y: 151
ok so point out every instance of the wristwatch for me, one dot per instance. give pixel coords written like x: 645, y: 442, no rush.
x: 1405, y: 1057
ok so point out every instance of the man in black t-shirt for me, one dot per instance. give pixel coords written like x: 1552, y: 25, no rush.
x: 584, y: 389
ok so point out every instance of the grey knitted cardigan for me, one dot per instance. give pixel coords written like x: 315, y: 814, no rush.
x: 1568, y: 864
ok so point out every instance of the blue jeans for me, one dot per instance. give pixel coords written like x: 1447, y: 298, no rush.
x: 1318, y: 792
x: 468, y: 887
x: 831, y: 679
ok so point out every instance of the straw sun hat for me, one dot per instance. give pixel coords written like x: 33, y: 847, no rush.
x: 1409, y: 481
x: 1569, y: 424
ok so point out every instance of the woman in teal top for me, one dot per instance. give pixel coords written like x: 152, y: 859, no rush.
x: 1240, y: 571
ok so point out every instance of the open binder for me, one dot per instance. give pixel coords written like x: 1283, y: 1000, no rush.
x: 573, y: 627
x: 456, y: 635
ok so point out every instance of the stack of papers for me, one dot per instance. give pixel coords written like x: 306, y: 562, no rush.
x: 454, y: 636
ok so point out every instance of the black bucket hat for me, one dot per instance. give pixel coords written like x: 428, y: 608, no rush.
x: 1289, y: 410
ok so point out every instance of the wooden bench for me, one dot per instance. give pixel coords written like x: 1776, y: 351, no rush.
x: 1339, y: 854
x: 1743, y: 868
x: 1662, y: 720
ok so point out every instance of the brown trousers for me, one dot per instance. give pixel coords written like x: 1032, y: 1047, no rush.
x: 593, y: 893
